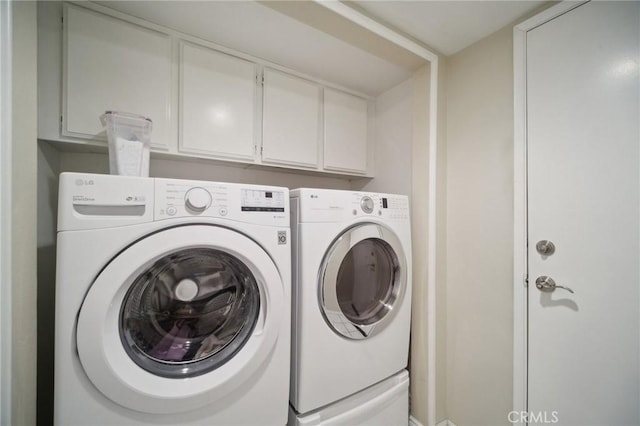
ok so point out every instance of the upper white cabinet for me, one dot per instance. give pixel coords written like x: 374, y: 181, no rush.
x: 345, y: 132
x: 218, y: 103
x: 205, y: 100
x: 110, y: 64
x: 291, y: 120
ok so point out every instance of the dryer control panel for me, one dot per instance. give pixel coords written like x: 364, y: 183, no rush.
x: 319, y: 205
x: 386, y: 206
x: 394, y: 206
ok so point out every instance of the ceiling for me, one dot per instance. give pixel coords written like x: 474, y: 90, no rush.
x: 323, y: 45
x: 317, y: 42
x: 448, y: 26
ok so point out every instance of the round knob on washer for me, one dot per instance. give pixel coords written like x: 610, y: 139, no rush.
x: 366, y: 203
x: 197, y: 199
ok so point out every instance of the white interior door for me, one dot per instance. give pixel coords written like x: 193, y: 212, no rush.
x: 583, y: 142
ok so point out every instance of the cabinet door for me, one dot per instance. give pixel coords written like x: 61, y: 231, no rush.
x: 114, y: 65
x: 218, y: 108
x: 345, y: 132
x: 291, y: 120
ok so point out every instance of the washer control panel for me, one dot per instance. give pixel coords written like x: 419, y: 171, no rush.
x: 92, y: 201
x: 248, y: 203
x: 258, y: 200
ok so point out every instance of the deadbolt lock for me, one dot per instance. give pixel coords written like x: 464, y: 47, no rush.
x: 545, y: 247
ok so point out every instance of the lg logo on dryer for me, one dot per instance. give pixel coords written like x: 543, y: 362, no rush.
x: 82, y: 182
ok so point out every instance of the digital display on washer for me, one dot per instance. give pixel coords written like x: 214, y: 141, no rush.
x: 255, y: 200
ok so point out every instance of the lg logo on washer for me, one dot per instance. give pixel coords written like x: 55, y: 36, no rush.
x: 82, y: 182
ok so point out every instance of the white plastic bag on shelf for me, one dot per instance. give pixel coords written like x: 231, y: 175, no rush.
x: 129, y: 137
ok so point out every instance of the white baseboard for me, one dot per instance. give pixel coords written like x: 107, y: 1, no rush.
x: 414, y: 422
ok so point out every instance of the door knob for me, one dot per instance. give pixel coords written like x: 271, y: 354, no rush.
x: 545, y: 247
x: 544, y: 283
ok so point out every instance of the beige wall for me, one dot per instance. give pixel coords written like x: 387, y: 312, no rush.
x: 23, y: 212
x: 479, y: 319
x: 441, y: 248
x: 420, y: 183
x: 205, y: 170
x: 48, y: 170
x: 393, y: 140
x: 420, y: 373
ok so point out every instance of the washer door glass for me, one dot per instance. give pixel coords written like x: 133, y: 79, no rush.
x: 363, y: 279
x: 189, y: 312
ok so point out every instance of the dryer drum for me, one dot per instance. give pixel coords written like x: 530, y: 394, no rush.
x: 366, y: 281
x: 362, y: 281
x: 189, y: 312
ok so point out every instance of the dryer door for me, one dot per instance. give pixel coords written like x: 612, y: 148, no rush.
x: 363, y: 279
x: 180, y: 319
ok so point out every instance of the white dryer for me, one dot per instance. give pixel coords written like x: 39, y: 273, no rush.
x: 172, y: 302
x: 351, y: 293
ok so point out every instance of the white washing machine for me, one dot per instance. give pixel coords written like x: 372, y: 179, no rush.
x: 351, y: 293
x: 172, y: 302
